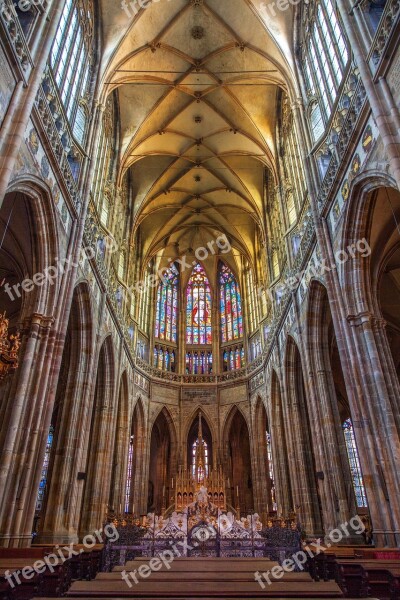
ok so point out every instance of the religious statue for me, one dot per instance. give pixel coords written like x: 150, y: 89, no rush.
x: 202, y: 495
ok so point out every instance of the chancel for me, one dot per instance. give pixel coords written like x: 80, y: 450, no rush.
x: 199, y: 298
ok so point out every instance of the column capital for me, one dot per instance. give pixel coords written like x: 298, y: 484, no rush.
x: 366, y: 317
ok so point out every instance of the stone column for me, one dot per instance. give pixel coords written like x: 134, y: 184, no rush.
x: 302, y: 471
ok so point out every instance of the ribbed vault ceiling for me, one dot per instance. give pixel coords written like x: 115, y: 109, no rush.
x: 197, y: 84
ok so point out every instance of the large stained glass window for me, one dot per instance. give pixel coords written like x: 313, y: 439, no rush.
x: 354, y: 462
x: 198, y: 308
x: 167, y: 306
x: 230, y: 305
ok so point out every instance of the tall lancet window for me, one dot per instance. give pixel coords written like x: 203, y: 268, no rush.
x: 45, y: 468
x: 129, y: 476
x: 230, y: 305
x: 200, y: 465
x: 70, y: 60
x: 167, y: 306
x: 355, y: 467
x: 198, y: 308
x: 271, y: 470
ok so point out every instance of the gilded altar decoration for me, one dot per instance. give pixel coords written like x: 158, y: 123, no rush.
x: 199, y: 477
x: 9, y: 349
x: 202, y: 529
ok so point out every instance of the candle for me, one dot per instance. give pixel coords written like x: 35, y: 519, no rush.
x: 172, y: 483
x: 229, y: 483
x: 133, y: 510
x: 237, y: 491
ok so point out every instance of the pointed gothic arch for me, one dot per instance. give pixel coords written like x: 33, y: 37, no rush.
x: 238, y: 461
x: 163, y: 446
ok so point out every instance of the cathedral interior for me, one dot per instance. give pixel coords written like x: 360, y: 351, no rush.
x: 199, y: 265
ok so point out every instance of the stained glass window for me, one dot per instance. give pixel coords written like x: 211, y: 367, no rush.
x: 144, y: 300
x: 164, y: 359
x: 129, y: 476
x: 198, y: 308
x: 230, y: 305
x: 234, y: 358
x: 354, y: 461
x: 199, y: 363
x: 167, y: 306
x: 45, y: 468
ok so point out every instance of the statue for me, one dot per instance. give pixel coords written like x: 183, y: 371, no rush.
x: 202, y: 495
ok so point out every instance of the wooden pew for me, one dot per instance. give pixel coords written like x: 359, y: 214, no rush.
x: 370, y: 576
